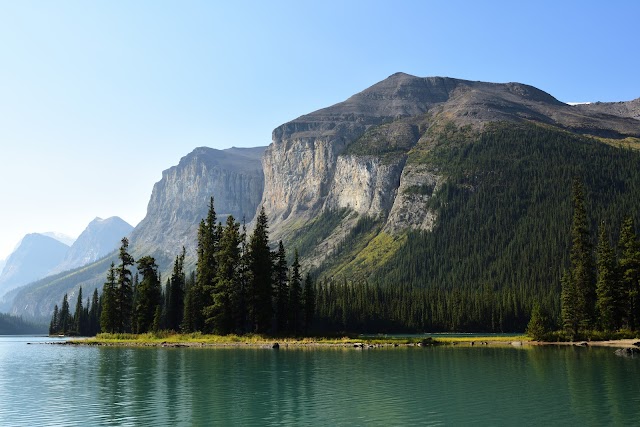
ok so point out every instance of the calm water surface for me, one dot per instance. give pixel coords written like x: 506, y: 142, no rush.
x: 59, y: 385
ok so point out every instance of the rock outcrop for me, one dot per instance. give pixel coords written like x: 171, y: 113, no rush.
x: 181, y: 199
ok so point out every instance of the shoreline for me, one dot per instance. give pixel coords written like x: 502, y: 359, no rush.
x: 277, y: 343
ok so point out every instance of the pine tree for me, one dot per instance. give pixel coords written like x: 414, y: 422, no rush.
x: 65, y: 317
x: 606, y: 284
x: 108, y: 315
x: 241, y: 306
x: 260, y: 304
x: 148, y: 295
x: 538, y: 326
x: 54, y: 326
x: 198, y: 296
x: 309, y: 302
x: 94, y: 314
x: 124, y: 289
x: 78, y: 321
x: 175, y: 306
x: 220, y: 314
x: 281, y: 282
x: 295, y: 296
x: 629, y: 263
x: 582, y: 261
x: 569, y: 302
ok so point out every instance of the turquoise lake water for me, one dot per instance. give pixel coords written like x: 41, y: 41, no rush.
x: 63, y: 385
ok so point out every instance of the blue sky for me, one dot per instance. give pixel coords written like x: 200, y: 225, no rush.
x: 97, y: 98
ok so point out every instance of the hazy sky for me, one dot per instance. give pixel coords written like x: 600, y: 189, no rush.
x: 97, y: 98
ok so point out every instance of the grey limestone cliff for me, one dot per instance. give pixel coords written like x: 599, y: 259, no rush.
x: 181, y: 199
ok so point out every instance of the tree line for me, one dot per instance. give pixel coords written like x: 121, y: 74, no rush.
x: 240, y: 286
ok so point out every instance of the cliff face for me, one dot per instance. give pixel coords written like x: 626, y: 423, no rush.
x: 181, y: 199
x: 360, y: 154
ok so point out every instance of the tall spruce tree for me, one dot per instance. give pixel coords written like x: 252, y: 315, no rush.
x: 54, y: 325
x: 260, y: 305
x: 65, y: 317
x: 629, y: 264
x: 124, y: 288
x: 281, y: 281
x: 78, y: 316
x: 244, y: 282
x: 109, y: 313
x: 198, y: 296
x: 309, y: 302
x: 582, y: 269
x: 148, y: 295
x: 220, y: 316
x: 607, y: 284
x: 175, y: 307
x: 569, y: 305
x: 94, y: 314
x: 295, y: 296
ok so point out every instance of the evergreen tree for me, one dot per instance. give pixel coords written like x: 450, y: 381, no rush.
x: 309, y: 302
x: 629, y: 263
x: 198, y: 296
x: 148, y: 295
x: 538, y: 326
x: 109, y: 313
x: 220, y: 314
x: 606, y: 284
x: 241, y: 309
x: 124, y: 289
x: 65, y: 317
x: 570, y: 307
x: 78, y: 320
x: 281, y: 282
x: 54, y: 326
x: 94, y: 314
x: 295, y: 296
x: 260, y: 304
x: 175, y: 306
x: 581, y: 261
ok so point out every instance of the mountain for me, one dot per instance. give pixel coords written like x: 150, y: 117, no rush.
x: 433, y: 183
x: 2, y: 263
x: 99, y: 238
x: 178, y: 202
x: 36, y: 255
x: 362, y: 155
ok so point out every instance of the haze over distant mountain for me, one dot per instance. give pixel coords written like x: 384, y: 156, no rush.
x: 178, y: 202
x: 61, y: 237
x: 36, y: 255
x: 99, y: 238
x: 2, y: 263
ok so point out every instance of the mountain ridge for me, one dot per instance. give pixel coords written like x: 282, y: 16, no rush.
x: 360, y: 174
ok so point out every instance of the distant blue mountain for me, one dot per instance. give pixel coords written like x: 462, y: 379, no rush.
x: 99, y: 238
x: 34, y: 257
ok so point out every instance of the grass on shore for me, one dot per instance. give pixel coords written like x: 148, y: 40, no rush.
x: 170, y: 337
